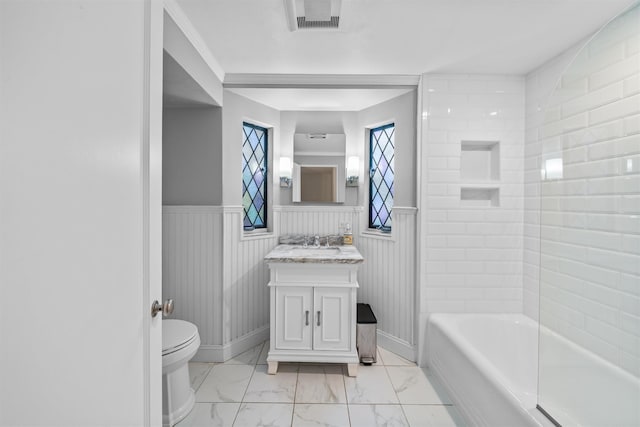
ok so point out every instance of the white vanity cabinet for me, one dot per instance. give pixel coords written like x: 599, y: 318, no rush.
x: 313, y: 313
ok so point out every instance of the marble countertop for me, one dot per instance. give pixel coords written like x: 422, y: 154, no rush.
x: 319, y: 255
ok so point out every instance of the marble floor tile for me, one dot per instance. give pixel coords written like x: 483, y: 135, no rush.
x: 264, y: 414
x: 198, y: 372
x: 432, y: 416
x: 320, y: 415
x: 377, y: 416
x: 225, y: 383
x: 262, y: 360
x: 210, y: 415
x: 392, y: 359
x: 372, y: 385
x: 415, y: 386
x: 249, y: 357
x: 272, y: 388
x: 320, y: 384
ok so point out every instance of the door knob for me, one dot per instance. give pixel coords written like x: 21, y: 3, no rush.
x: 166, y: 308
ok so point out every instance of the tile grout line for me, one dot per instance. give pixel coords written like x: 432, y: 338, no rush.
x: 248, y: 383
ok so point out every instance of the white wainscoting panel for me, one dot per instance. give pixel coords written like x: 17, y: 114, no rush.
x: 218, y: 278
x: 388, y: 281
x: 246, y: 296
x: 191, y: 267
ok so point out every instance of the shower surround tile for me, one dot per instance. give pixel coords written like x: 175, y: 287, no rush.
x: 320, y: 384
x: 415, y: 386
x: 318, y: 415
x: 377, y: 416
x: 225, y: 383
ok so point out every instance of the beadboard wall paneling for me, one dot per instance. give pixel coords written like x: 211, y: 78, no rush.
x: 218, y: 279
x: 191, y: 267
x: 321, y: 220
x: 388, y: 279
x: 246, y: 297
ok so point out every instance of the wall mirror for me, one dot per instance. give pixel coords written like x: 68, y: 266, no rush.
x: 319, y: 167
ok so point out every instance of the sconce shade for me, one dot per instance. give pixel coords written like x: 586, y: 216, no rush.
x: 353, y: 171
x: 285, y: 172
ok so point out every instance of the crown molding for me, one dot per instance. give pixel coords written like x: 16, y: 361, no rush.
x: 324, y: 81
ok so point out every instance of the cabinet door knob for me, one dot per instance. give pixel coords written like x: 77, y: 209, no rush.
x: 306, y: 316
x: 318, y: 323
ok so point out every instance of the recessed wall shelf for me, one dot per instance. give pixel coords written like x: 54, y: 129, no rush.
x: 480, y: 161
x: 482, y: 196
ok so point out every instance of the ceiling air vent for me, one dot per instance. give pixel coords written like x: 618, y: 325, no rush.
x: 313, y: 14
x: 332, y: 23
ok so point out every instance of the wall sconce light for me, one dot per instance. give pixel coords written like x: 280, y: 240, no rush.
x: 285, y: 172
x: 353, y: 171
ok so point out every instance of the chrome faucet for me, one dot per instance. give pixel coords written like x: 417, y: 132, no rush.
x: 316, y: 241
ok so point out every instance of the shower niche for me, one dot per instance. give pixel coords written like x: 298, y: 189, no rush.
x: 480, y: 173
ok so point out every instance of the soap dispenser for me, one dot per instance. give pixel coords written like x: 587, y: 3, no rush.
x: 347, y: 238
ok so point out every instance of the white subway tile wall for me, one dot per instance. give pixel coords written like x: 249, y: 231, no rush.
x: 473, y: 250
x: 583, y: 229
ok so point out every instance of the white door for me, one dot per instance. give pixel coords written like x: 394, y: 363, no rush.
x: 80, y: 157
x: 332, y: 321
x: 294, y: 318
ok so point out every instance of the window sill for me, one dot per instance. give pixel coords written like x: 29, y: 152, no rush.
x: 372, y: 233
x: 257, y: 234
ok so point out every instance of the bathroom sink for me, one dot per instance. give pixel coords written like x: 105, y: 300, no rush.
x: 314, y: 251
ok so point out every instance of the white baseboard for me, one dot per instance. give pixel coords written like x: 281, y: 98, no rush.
x: 222, y: 353
x: 394, y: 345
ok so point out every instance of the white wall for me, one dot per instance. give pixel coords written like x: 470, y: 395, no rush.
x: 401, y: 111
x: 238, y: 109
x: 471, y: 254
x: 192, y: 156
x: 590, y: 251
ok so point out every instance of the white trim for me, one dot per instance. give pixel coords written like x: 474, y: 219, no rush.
x: 323, y: 208
x: 394, y: 345
x: 192, y: 209
x: 404, y: 210
x: 261, y: 233
x: 180, y: 18
x: 344, y: 81
x: 222, y: 353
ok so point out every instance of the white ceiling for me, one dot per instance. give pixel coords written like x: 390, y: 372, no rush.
x: 291, y: 99
x: 399, y: 37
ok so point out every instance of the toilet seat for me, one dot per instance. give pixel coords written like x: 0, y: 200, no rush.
x: 176, y: 335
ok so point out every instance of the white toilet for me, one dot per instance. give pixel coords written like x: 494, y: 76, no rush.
x: 180, y: 341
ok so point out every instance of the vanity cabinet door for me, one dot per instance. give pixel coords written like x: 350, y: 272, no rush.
x: 332, y: 318
x: 294, y: 318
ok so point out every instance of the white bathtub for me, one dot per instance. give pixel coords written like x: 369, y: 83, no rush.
x: 489, y: 365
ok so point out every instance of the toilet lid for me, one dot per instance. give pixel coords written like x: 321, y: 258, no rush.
x: 177, y: 334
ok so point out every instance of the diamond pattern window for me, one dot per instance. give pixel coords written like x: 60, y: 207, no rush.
x: 381, y: 174
x: 254, y: 176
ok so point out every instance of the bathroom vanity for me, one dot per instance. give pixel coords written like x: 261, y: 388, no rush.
x: 313, y: 305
